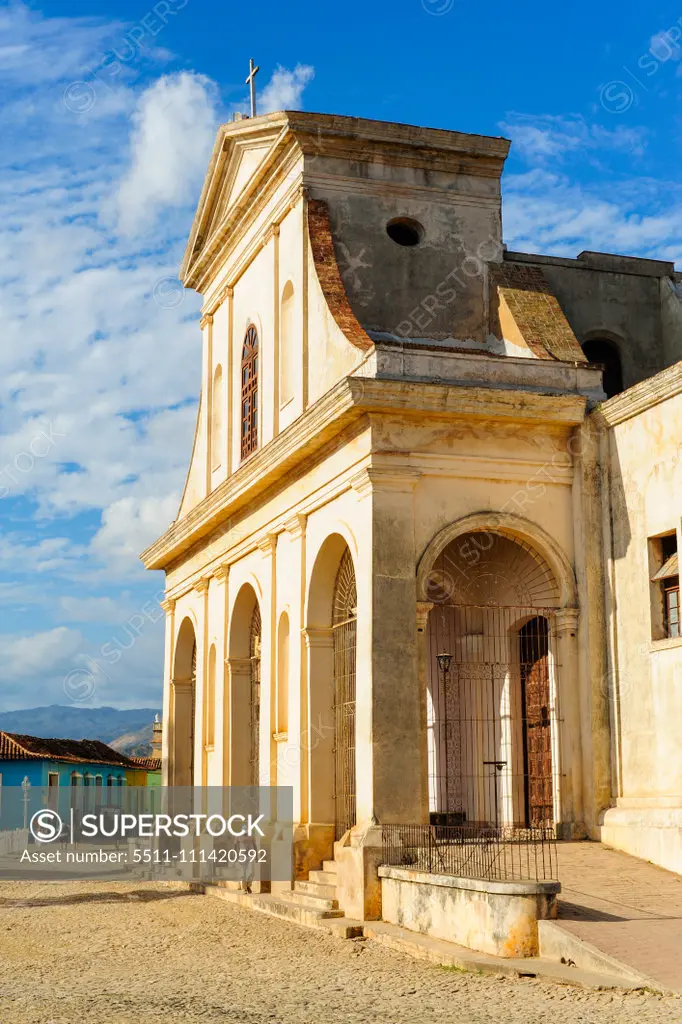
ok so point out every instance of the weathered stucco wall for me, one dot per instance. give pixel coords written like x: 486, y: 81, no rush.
x: 461, y: 221
x: 645, y: 677
x: 500, y: 918
x: 619, y: 298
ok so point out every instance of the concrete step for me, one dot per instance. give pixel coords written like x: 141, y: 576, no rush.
x: 330, y: 921
x: 329, y: 866
x: 287, y: 906
x: 315, y: 889
x: 323, y: 877
x: 305, y: 899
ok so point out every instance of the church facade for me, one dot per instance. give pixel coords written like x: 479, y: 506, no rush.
x: 422, y: 570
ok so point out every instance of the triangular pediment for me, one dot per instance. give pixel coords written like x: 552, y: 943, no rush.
x: 247, y: 160
x: 240, y: 153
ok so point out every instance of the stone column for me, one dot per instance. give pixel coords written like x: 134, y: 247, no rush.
x: 167, y: 716
x: 570, y: 753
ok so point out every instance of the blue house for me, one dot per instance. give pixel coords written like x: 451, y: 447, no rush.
x: 36, y: 772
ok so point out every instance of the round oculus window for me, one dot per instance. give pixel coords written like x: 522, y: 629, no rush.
x: 404, y: 231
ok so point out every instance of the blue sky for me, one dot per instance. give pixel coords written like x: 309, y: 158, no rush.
x: 108, y: 119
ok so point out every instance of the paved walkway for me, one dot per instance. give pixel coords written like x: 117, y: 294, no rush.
x: 624, y: 906
x: 123, y: 953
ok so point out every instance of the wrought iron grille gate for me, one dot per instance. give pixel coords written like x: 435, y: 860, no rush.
x: 192, y: 720
x: 344, y: 632
x: 493, y: 716
x: 254, y: 654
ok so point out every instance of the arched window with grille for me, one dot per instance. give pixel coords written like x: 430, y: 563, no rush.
x: 344, y: 633
x: 250, y: 392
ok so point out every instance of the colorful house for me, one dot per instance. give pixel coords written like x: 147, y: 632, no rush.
x: 144, y: 771
x: 56, y: 763
x: 57, y: 773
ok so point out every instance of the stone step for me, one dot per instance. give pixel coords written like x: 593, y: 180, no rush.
x: 329, y: 866
x: 288, y: 907
x: 331, y: 921
x: 315, y: 889
x: 323, y: 877
x: 306, y: 899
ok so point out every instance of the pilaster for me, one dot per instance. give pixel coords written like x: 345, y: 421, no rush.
x: 567, y: 709
x: 200, y: 588
x: 168, y: 605
x: 222, y: 712
x: 391, y: 719
x: 268, y: 663
x: 296, y: 760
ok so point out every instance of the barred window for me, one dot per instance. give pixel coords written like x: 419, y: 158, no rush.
x: 665, y: 593
x: 250, y: 392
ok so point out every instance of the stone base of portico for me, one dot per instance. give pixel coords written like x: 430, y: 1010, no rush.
x: 358, y: 856
x: 649, y: 828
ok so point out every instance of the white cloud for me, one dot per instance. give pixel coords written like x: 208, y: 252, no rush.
x: 665, y: 45
x: 40, y: 653
x: 552, y: 213
x: 542, y: 138
x: 94, y: 609
x: 130, y: 524
x: 284, y: 91
x: 173, y: 129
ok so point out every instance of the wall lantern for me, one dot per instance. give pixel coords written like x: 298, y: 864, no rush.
x: 444, y: 660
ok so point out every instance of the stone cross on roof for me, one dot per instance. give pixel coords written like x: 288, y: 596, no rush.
x: 251, y: 81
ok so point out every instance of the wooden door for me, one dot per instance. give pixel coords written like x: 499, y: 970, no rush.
x: 537, y: 734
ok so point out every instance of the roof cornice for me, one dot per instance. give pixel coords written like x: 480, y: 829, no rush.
x: 348, y: 401
x: 314, y: 135
x: 640, y: 397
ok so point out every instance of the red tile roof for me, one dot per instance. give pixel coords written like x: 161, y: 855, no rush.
x: 151, y: 764
x: 14, y: 746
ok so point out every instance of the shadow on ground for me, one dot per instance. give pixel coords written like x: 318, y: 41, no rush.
x: 137, y: 896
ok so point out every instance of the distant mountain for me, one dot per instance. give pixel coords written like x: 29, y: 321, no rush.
x: 75, y: 723
x: 135, y: 744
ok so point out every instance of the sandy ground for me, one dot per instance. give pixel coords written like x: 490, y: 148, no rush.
x: 118, y: 953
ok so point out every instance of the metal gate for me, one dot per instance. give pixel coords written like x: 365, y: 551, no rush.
x: 344, y: 632
x: 254, y: 654
x: 492, y: 716
x: 192, y: 720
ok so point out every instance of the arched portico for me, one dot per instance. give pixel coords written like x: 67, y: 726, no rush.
x: 183, y: 705
x: 497, y: 635
x: 331, y: 641
x: 244, y: 665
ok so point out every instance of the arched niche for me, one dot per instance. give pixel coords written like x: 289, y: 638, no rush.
x: 244, y: 662
x: 287, y: 342
x: 183, y: 698
x: 605, y: 352
x: 282, y: 702
x: 217, y: 420
x: 331, y: 631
